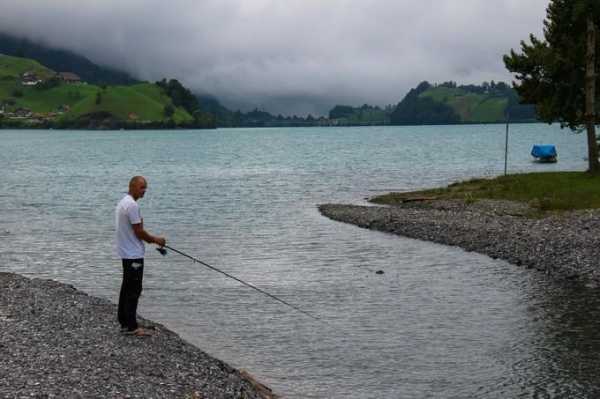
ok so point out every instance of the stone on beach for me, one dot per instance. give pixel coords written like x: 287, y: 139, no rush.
x: 58, y: 342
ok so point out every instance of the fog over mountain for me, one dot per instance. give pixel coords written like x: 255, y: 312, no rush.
x: 293, y: 56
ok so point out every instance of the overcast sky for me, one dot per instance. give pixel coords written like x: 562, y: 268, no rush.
x: 289, y: 56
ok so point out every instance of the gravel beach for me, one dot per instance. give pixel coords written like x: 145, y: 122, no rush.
x: 58, y: 342
x: 564, y: 245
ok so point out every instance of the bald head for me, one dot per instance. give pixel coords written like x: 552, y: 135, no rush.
x: 137, y: 187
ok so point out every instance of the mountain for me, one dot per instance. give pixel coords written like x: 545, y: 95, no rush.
x: 444, y: 103
x: 32, y: 95
x: 63, y: 61
x: 448, y: 103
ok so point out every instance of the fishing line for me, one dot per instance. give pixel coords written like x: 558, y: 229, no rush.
x: 163, y: 252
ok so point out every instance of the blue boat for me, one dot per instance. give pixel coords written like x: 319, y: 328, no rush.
x: 544, y: 153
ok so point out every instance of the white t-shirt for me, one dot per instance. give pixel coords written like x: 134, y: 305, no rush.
x: 128, y: 246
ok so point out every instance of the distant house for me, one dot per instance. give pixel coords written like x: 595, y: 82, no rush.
x: 30, y: 79
x: 69, y: 77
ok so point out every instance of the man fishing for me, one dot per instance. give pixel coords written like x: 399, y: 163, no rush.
x: 130, y: 237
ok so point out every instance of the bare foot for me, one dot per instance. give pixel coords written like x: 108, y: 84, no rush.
x: 139, y: 332
x: 142, y: 332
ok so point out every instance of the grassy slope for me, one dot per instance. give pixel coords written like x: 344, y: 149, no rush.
x: 144, y: 99
x: 14, y: 67
x: 552, y: 191
x: 50, y: 100
x: 470, y: 107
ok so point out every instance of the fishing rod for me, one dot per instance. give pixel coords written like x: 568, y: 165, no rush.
x: 163, y: 252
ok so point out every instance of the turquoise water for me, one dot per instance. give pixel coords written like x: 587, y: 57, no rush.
x: 439, y: 323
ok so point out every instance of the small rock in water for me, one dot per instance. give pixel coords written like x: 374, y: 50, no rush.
x: 379, y: 272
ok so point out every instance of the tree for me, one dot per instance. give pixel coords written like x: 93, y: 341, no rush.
x: 168, y: 110
x: 558, y: 74
x: 180, y: 96
x: 341, y: 111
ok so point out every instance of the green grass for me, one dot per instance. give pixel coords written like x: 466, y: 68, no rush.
x: 49, y: 100
x: 144, y: 100
x: 490, y: 110
x: 151, y: 91
x: 470, y: 107
x: 14, y: 67
x: 45, y: 100
x: 6, y: 88
x: 553, y: 191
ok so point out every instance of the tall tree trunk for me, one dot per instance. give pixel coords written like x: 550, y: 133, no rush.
x: 590, y: 93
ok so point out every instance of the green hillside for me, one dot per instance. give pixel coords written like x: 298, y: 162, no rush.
x: 471, y: 107
x: 142, y: 101
x: 448, y: 103
x: 43, y: 101
x: 11, y: 68
x: 55, y: 103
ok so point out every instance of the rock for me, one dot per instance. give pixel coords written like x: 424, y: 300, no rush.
x: 61, y: 342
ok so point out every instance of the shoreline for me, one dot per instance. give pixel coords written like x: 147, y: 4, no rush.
x: 564, y: 246
x: 57, y: 341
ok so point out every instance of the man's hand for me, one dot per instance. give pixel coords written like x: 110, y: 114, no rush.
x: 160, y: 241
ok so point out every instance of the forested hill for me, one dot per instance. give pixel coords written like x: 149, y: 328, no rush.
x: 448, y: 103
x: 427, y: 104
x: 63, y: 60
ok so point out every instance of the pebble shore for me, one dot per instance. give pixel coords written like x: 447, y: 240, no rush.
x: 562, y: 245
x: 58, y: 342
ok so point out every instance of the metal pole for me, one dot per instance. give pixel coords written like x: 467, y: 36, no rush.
x: 506, y: 144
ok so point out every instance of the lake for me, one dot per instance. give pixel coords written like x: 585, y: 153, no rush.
x: 439, y: 323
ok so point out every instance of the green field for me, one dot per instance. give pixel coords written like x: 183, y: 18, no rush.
x: 470, y: 107
x: 144, y: 102
x: 11, y: 68
x: 552, y: 191
x: 51, y: 99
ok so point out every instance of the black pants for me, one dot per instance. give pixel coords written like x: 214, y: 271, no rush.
x: 131, y: 289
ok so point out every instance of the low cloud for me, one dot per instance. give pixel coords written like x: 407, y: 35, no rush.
x: 293, y: 56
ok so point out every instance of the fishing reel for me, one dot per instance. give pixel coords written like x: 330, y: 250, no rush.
x: 162, y: 251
